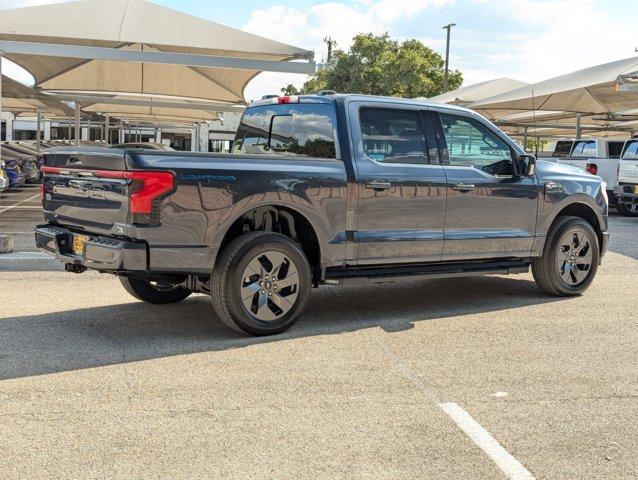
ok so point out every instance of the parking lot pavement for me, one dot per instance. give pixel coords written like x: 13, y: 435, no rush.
x: 95, y: 384
x: 20, y: 211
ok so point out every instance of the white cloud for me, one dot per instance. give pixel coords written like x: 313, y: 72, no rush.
x: 560, y: 36
x: 341, y: 22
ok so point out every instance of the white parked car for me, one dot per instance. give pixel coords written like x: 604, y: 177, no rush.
x: 627, y: 189
x: 598, y: 156
x: 4, y: 179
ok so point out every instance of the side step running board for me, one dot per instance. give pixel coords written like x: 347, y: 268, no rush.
x: 407, y: 273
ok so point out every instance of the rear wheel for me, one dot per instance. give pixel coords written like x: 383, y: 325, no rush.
x: 261, y: 283
x: 625, y: 210
x: 154, y: 292
x: 570, y: 260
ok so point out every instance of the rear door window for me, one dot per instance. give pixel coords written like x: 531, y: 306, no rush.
x: 393, y: 135
x: 303, y: 130
x: 563, y: 148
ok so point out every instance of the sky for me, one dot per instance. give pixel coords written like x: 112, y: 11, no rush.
x: 529, y: 40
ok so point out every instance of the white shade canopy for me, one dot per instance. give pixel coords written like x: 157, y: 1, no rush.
x: 22, y: 100
x: 472, y: 93
x: 159, y: 35
x: 603, y: 89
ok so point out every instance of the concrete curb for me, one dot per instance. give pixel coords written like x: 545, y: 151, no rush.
x: 6, y: 244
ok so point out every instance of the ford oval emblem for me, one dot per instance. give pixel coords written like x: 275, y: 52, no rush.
x: 48, y: 197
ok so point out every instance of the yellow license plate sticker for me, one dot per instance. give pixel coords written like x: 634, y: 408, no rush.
x: 79, y: 244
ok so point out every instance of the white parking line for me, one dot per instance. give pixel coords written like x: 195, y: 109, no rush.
x: 482, y: 438
x: 511, y: 467
x: 4, y: 209
x: 6, y: 257
x: 24, y: 207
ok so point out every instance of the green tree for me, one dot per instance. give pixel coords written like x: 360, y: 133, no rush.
x: 378, y: 65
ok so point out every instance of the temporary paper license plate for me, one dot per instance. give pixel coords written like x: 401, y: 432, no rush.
x: 636, y: 189
x: 79, y: 244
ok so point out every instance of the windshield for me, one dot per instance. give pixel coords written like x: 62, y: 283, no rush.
x: 631, y: 150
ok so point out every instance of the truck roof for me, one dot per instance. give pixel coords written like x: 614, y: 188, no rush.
x: 340, y: 97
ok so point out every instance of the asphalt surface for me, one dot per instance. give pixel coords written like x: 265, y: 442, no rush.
x: 94, y: 384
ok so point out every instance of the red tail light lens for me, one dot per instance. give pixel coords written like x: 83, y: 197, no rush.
x: 152, y: 186
x: 42, y: 190
x: 288, y: 99
x: 592, y: 168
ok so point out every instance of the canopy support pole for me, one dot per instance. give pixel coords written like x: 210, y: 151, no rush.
x: 6, y: 242
x: 77, y: 124
x: 107, y: 129
x: 578, y: 127
x: 525, y: 139
x: 69, y: 126
x: 165, y: 58
x: 38, y: 131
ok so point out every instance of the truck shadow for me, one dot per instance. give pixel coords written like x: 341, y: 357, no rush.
x: 101, y: 336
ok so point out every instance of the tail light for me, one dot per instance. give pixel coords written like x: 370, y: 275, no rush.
x: 288, y: 99
x: 592, y: 168
x: 42, y: 190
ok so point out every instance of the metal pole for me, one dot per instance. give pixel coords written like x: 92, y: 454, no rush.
x: 578, y: 127
x: 38, y: 132
x: 77, y: 124
x: 70, y: 126
x: 6, y: 242
x: 525, y: 139
x: 107, y: 125
x: 448, y: 27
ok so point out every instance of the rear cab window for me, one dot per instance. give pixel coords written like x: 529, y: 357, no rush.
x: 293, y: 130
x: 585, y: 148
x: 615, y: 149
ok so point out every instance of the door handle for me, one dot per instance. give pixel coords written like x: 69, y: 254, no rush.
x: 375, y: 185
x: 463, y: 187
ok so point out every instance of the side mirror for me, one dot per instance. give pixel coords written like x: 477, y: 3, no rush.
x: 528, y: 165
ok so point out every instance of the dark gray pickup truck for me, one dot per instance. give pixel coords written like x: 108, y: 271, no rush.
x: 323, y: 189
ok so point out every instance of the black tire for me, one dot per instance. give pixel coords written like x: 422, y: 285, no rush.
x: 147, y: 292
x: 626, y: 212
x: 228, y: 282
x: 551, y: 268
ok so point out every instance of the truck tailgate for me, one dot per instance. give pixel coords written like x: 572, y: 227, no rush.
x: 85, y: 189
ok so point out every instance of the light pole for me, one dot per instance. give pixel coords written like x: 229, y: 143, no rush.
x: 448, y: 27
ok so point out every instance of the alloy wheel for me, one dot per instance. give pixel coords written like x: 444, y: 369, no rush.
x: 574, y: 257
x: 269, y: 286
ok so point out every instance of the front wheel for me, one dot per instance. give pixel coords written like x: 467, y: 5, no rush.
x: 570, y: 260
x: 153, y: 292
x: 261, y: 283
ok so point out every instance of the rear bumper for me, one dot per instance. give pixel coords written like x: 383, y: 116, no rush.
x: 102, y: 253
x: 626, y: 192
